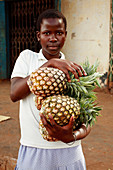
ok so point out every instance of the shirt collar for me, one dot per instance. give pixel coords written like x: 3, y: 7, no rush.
x: 41, y: 56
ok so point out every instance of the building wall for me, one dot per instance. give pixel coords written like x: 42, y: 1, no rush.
x: 88, y: 31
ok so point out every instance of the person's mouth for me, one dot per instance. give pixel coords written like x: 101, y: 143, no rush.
x: 53, y: 47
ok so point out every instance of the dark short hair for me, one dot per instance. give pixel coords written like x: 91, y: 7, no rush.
x: 50, y: 13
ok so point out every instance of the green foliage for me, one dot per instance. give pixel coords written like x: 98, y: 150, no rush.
x: 90, y: 69
x: 83, y: 91
x: 89, y: 110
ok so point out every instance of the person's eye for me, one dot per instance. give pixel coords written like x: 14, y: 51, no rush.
x: 59, y: 33
x: 46, y: 33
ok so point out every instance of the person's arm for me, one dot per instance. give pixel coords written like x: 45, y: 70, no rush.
x: 82, y: 132
x: 65, y: 133
x: 19, y: 88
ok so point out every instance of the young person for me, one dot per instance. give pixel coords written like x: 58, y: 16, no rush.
x: 35, y: 153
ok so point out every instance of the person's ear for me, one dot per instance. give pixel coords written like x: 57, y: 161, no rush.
x: 38, y: 35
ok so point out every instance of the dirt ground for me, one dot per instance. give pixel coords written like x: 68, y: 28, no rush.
x: 97, y: 147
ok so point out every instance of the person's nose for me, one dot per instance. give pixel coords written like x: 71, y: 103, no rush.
x: 53, y: 38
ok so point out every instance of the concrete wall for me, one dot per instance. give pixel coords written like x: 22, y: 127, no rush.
x: 88, y: 31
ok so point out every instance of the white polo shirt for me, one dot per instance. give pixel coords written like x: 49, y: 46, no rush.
x: 27, y: 62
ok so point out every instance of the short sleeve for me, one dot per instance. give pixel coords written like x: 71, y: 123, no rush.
x: 21, y: 67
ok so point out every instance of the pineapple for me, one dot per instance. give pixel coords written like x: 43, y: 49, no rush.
x: 56, y: 95
x: 47, y: 81
x: 61, y: 107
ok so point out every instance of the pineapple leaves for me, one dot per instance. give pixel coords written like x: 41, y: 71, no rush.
x: 90, y: 69
x: 82, y: 90
x: 89, y: 110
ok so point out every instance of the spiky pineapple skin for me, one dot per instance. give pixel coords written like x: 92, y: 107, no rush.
x: 61, y: 107
x: 47, y: 81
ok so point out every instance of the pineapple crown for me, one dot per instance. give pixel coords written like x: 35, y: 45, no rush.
x: 82, y: 90
x: 86, y: 84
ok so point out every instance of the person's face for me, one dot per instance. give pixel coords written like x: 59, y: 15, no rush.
x: 52, y: 36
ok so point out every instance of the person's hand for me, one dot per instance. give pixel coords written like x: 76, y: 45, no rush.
x: 66, y: 66
x: 64, y: 134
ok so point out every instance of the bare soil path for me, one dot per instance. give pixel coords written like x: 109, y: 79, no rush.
x: 98, y: 146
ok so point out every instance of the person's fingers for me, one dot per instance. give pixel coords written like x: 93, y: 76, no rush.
x: 52, y: 121
x: 80, y: 70
x: 74, y: 71
x: 71, y: 122
x: 43, y: 119
x: 67, y: 75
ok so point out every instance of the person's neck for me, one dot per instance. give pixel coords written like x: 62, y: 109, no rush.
x: 49, y: 56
